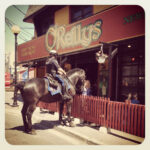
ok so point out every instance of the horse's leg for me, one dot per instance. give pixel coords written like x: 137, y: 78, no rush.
x: 24, y: 113
x: 61, y: 107
x: 69, y: 106
x: 30, y: 111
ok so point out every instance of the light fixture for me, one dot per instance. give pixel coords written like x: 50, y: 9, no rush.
x: 133, y: 59
x: 129, y: 46
x: 100, y: 56
x: 15, y: 30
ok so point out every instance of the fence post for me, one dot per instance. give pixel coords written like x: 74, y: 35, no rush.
x: 116, y: 116
x: 125, y: 122
x: 122, y: 116
x: 143, y: 122
x: 119, y: 127
x: 111, y: 114
x: 129, y: 117
x: 135, y: 120
x: 139, y: 120
x: 108, y: 113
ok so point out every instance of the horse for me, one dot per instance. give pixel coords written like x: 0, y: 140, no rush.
x: 36, y: 89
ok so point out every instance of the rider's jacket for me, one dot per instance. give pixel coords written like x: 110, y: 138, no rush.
x: 52, y: 66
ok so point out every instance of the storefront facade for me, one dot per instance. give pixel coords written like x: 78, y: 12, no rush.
x: 76, y: 32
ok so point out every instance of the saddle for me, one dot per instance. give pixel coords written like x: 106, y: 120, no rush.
x: 52, y: 82
x: 56, y: 86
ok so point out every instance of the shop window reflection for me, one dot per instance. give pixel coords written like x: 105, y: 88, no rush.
x: 132, y: 74
x: 103, y: 79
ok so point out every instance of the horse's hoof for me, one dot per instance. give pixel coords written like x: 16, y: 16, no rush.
x: 67, y: 124
x: 71, y: 124
x: 32, y: 132
x: 62, y: 123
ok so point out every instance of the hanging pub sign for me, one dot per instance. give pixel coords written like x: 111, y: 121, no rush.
x: 118, y: 23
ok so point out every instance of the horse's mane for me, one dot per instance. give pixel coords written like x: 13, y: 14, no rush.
x: 70, y: 72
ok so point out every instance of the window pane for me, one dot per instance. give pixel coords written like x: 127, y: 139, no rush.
x: 141, y: 70
x: 129, y: 81
x: 87, y: 15
x: 103, y: 83
x: 80, y: 12
x: 130, y: 59
x: 129, y: 85
x: 87, y: 10
x: 130, y: 70
x: 141, y: 82
x: 77, y: 14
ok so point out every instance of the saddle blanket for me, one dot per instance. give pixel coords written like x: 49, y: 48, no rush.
x: 52, y: 90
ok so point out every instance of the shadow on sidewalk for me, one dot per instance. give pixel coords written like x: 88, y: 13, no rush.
x: 19, y: 128
x: 19, y: 98
x: 43, y: 125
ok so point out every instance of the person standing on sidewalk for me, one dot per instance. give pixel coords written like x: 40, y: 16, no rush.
x: 87, y: 88
x: 135, y: 99
x: 128, y: 100
x: 86, y: 91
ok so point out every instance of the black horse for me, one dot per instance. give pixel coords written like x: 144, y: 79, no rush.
x: 36, y: 89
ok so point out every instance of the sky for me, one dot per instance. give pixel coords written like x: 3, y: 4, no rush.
x: 27, y: 29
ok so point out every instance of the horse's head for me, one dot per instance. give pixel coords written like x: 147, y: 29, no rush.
x: 77, y: 77
x: 80, y: 84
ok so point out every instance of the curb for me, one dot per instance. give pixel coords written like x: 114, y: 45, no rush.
x: 65, y: 130
x: 85, y: 139
x: 76, y: 135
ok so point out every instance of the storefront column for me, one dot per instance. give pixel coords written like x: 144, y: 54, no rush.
x: 109, y: 71
x: 117, y: 78
x: 28, y: 71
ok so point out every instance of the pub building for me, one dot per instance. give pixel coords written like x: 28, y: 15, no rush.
x: 77, y: 32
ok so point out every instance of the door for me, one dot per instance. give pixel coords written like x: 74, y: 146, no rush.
x: 40, y: 71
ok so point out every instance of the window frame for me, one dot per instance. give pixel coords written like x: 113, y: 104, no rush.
x: 76, y: 8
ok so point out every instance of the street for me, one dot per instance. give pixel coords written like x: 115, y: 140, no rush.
x: 46, y: 133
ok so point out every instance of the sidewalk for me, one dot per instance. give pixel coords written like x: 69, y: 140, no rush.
x: 87, y: 134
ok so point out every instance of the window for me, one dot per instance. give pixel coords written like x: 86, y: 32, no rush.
x: 80, y: 12
x: 43, y: 21
x: 132, y: 68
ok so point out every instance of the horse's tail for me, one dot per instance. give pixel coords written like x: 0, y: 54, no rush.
x: 20, y: 86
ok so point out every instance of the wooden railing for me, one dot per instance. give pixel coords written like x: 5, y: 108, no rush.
x: 121, y: 116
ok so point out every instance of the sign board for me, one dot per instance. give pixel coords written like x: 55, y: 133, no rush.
x: 118, y: 23
x: 23, y: 75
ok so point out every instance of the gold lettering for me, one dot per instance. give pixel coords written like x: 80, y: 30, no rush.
x: 28, y: 51
x: 51, y: 32
x: 68, y: 39
x: 86, y: 35
x: 60, y: 38
x: 78, y: 31
x: 74, y: 37
x: 97, y: 30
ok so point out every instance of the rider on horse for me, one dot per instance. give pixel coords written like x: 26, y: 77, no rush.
x: 58, y: 73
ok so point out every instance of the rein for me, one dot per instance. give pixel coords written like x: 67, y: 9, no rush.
x: 71, y: 82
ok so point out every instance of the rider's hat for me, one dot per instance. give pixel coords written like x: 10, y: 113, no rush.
x: 53, y: 53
